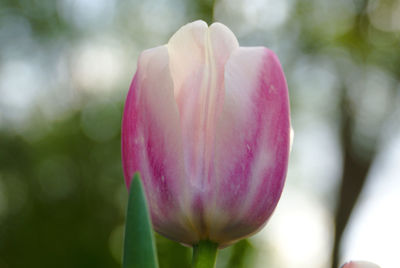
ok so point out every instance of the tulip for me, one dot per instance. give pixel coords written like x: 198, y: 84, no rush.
x: 359, y: 264
x: 207, y: 125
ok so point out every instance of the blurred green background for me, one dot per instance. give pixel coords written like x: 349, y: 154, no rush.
x: 66, y: 66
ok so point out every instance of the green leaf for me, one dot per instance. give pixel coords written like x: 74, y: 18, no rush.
x: 139, y: 249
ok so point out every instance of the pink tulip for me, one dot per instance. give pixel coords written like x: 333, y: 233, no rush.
x: 207, y: 125
x: 360, y: 264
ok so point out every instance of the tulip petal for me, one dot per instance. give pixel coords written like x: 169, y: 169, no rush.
x: 197, y: 74
x: 198, y: 55
x: 151, y: 144
x: 252, y: 144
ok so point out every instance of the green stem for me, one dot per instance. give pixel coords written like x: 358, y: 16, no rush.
x: 204, y: 254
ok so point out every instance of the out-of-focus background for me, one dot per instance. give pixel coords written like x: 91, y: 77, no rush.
x: 65, y: 68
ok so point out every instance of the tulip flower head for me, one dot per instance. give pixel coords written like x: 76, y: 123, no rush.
x: 206, y: 123
x: 359, y: 264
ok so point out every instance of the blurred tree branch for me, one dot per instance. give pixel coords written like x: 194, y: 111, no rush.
x: 355, y: 171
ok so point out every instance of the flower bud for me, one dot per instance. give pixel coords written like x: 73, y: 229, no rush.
x: 207, y: 125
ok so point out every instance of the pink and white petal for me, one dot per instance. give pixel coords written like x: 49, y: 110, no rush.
x: 223, y: 42
x: 252, y: 144
x: 198, y: 55
x: 152, y: 144
x: 186, y: 50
